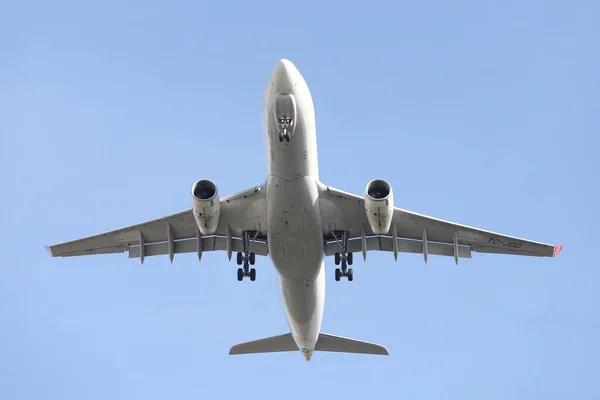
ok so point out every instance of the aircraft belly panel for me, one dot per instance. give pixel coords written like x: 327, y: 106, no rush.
x: 303, y: 303
x: 295, y: 233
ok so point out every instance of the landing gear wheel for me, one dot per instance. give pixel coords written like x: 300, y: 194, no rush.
x: 240, y: 274
x: 338, y: 273
x: 350, y: 274
x: 344, y: 267
x: 343, y: 257
x: 284, y: 136
x: 252, y: 258
x: 239, y: 258
x: 252, y: 274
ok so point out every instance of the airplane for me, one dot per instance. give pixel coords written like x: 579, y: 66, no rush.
x: 298, y: 221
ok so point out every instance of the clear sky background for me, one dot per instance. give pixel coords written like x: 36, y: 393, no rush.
x: 480, y: 112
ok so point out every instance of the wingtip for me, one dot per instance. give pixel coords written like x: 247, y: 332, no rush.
x: 557, y: 249
x: 48, y: 250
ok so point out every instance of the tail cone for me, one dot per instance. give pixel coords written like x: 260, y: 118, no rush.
x: 307, y: 354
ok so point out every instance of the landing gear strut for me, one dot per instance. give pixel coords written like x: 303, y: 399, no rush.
x: 344, y: 258
x: 246, y: 259
x: 284, y: 136
x: 285, y: 124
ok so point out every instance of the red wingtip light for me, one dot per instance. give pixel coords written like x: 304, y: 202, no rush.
x: 557, y: 250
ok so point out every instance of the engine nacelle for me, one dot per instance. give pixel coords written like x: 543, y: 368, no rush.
x: 379, y: 205
x: 206, y: 206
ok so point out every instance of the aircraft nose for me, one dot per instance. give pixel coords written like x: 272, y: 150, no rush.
x: 285, y: 76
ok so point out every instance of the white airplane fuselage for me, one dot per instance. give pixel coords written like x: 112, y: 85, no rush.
x: 295, y: 233
x: 291, y: 210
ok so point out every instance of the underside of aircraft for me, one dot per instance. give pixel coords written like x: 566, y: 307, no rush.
x: 298, y: 221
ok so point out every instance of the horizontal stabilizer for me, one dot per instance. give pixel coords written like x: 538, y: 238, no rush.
x: 272, y: 344
x: 345, y: 345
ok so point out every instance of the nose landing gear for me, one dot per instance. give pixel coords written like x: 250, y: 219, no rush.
x: 284, y: 136
x: 246, y: 258
x: 285, y: 113
x: 344, y: 258
x: 285, y: 123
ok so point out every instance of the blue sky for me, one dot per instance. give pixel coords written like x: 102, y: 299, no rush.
x: 484, y: 113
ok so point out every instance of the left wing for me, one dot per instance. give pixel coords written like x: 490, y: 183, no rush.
x: 178, y: 233
x: 414, y: 233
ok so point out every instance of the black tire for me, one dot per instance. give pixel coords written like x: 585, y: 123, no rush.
x: 240, y: 274
x: 252, y: 258
x: 337, y: 258
x: 350, y: 274
x: 252, y: 274
x: 280, y: 137
x: 350, y: 258
x: 337, y: 274
x: 239, y: 258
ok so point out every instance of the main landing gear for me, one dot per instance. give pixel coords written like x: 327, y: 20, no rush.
x: 246, y: 259
x: 344, y: 258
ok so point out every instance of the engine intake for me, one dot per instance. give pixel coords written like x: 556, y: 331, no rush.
x: 206, y: 206
x: 379, y: 205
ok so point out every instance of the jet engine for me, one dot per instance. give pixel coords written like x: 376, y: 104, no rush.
x: 379, y: 205
x: 206, y: 206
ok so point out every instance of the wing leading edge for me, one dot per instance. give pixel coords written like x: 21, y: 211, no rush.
x: 414, y: 233
x: 178, y: 233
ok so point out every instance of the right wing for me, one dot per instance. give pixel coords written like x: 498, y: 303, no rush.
x: 415, y: 233
x: 178, y: 233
